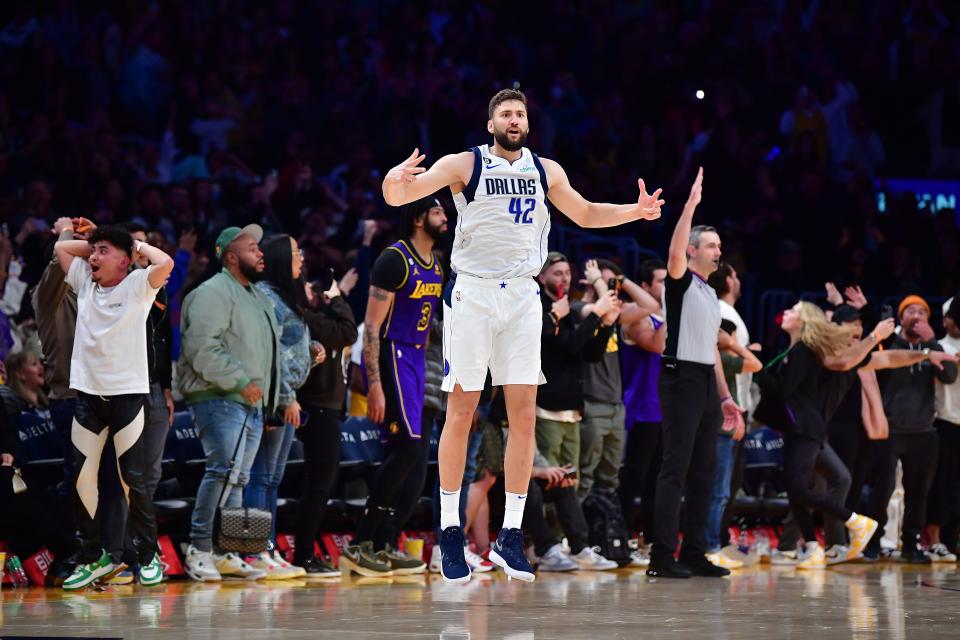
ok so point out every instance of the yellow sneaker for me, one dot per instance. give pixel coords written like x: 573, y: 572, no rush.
x: 816, y: 557
x: 721, y: 560
x: 861, y: 530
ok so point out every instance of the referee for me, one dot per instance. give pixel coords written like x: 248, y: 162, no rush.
x: 693, y: 396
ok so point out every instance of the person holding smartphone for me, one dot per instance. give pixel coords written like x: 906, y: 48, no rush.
x: 283, y: 284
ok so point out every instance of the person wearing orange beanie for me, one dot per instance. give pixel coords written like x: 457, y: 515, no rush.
x: 908, y: 401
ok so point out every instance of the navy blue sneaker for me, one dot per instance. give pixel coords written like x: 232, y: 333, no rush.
x: 453, y: 566
x: 507, y: 552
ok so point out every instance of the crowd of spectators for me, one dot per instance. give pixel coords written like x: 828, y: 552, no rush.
x: 186, y: 118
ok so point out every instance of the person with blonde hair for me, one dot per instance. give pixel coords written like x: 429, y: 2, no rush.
x: 815, y: 343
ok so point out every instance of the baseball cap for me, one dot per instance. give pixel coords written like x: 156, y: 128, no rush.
x: 845, y: 313
x: 553, y: 258
x: 230, y: 234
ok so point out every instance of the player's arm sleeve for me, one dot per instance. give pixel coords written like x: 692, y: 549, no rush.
x: 389, y: 271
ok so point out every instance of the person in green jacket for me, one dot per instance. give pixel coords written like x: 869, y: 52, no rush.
x: 229, y: 374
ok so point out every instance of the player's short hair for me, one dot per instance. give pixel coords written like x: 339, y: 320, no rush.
x: 115, y: 236
x: 698, y: 231
x: 414, y: 211
x: 647, y: 267
x: 502, y: 96
x: 718, y: 279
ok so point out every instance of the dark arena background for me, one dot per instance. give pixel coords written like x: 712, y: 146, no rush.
x: 829, y: 138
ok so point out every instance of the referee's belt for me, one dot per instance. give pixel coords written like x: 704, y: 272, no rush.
x: 672, y: 362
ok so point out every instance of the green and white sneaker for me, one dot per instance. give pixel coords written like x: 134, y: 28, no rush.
x: 86, y: 574
x: 151, y: 573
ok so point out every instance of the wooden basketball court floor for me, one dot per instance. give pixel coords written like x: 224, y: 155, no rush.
x: 851, y: 601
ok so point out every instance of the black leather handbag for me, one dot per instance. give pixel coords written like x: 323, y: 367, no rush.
x: 242, y: 530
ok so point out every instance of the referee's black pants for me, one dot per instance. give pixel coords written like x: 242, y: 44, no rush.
x: 691, y: 421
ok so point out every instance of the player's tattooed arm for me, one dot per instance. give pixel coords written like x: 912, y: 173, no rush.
x: 371, y: 350
x: 378, y: 306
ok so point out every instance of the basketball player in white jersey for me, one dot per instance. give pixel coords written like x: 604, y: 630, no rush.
x: 492, y: 316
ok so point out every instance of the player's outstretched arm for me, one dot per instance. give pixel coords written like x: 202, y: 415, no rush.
x: 408, y: 181
x: 596, y: 214
x: 677, y: 258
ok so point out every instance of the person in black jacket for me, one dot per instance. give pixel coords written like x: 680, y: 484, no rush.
x: 333, y: 329
x: 816, y: 343
x: 908, y: 400
x: 565, y: 345
x: 159, y: 406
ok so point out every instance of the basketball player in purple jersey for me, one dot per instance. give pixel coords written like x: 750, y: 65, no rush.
x: 405, y: 287
x: 492, y: 314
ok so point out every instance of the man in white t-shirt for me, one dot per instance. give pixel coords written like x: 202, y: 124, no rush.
x: 944, y: 504
x: 108, y: 370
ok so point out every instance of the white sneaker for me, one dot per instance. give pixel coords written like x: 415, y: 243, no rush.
x: 639, y: 558
x: 939, y: 553
x: 201, y: 565
x: 435, y: 560
x: 589, y: 560
x: 231, y: 566
x: 784, y: 558
x: 298, y: 572
x: 556, y: 560
x: 837, y: 554
x: 264, y: 562
x: 476, y: 562
x: 816, y: 558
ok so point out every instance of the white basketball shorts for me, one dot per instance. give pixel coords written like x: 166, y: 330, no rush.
x: 491, y: 324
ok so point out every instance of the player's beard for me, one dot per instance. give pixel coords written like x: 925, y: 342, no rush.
x: 435, y: 232
x: 503, y: 139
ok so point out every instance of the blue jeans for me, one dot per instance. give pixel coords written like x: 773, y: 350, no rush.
x: 266, y: 474
x: 219, y: 423
x: 721, y: 491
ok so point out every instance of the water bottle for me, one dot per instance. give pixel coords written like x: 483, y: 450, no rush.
x: 17, y: 575
x: 762, y: 545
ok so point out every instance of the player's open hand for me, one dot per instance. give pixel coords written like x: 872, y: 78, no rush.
x: 406, y: 172
x: 696, y: 191
x: 649, y: 204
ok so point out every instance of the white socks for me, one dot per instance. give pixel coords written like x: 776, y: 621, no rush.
x: 513, y: 510
x: 449, y: 508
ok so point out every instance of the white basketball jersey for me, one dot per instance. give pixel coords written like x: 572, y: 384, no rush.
x: 503, y: 221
